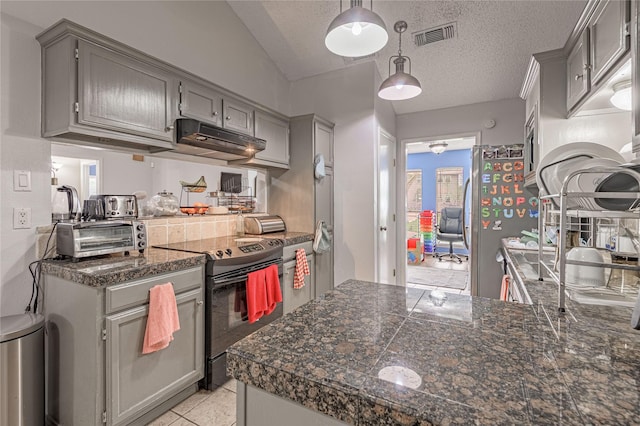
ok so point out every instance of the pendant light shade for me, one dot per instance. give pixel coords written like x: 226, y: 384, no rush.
x: 438, y: 147
x: 621, y: 97
x: 400, y: 85
x: 356, y: 32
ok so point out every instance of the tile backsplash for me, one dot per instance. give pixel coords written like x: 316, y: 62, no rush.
x: 162, y: 230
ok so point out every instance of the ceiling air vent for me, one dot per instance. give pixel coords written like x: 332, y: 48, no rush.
x: 432, y: 35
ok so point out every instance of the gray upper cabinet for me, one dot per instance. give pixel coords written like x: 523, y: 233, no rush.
x: 578, y: 71
x: 323, y: 136
x: 238, y: 116
x: 119, y: 93
x: 276, y: 132
x: 200, y: 103
x: 609, y: 39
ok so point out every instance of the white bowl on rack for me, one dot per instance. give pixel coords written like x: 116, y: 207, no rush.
x: 581, y: 276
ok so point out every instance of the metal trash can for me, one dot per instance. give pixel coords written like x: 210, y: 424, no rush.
x: 22, y: 370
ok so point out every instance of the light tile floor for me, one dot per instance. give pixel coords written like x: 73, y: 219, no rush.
x: 203, y: 408
x: 431, y: 274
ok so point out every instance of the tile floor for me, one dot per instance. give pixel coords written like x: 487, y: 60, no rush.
x: 451, y: 277
x: 203, y: 408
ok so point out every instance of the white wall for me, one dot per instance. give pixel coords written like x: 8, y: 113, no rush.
x: 205, y: 38
x: 509, y: 115
x: 346, y: 97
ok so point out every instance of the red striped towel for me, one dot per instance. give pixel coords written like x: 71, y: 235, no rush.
x: 302, y: 269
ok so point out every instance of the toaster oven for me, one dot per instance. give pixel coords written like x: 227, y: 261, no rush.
x: 85, y: 239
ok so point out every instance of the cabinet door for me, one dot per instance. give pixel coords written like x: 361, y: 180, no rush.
x: 323, y: 141
x: 135, y: 382
x: 296, y: 297
x: 238, y: 116
x: 276, y: 132
x: 200, y: 103
x: 608, y: 36
x: 578, y: 77
x: 324, y: 211
x: 119, y: 93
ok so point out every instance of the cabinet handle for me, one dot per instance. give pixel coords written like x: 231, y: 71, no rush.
x: 215, y: 113
x: 169, y: 128
x: 199, y: 303
x: 383, y: 228
x: 228, y: 117
x: 579, y: 76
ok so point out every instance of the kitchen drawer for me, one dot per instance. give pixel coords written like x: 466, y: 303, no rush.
x: 289, y: 252
x: 134, y: 293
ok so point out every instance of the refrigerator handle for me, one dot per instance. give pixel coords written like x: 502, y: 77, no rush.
x: 464, y: 213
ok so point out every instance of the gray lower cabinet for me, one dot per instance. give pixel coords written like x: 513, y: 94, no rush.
x: 294, y: 298
x: 96, y: 372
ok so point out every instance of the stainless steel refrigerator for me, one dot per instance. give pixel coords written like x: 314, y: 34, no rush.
x: 500, y: 207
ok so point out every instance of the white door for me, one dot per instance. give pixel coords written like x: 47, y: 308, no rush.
x: 386, y: 230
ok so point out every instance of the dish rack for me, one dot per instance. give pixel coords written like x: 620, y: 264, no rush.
x: 580, y: 225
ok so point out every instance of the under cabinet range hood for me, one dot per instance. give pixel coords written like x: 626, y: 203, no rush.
x: 194, y: 137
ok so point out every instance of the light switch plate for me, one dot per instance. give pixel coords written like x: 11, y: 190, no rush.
x: 22, y: 180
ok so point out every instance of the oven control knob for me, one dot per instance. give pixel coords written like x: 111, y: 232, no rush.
x: 219, y: 253
x: 141, y: 244
x: 228, y: 251
x: 140, y: 235
x: 140, y: 227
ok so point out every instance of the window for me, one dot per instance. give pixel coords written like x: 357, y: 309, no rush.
x: 449, y: 186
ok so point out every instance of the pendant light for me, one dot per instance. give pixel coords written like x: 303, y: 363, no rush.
x: 621, y: 97
x: 400, y: 85
x: 438, y: 147
x: 356, y: 32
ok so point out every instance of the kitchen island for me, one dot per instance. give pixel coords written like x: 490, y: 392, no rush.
x: 373, y: 354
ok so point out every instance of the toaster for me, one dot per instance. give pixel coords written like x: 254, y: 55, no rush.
x: 118, y: 206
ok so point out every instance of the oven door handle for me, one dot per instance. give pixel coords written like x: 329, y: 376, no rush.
x: 242, y: 276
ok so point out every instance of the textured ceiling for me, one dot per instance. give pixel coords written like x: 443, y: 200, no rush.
x: 486, y: 61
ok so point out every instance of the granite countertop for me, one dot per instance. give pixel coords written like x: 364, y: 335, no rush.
x: 114, y: 269
x: 470, y: 360
x: 289, y: 237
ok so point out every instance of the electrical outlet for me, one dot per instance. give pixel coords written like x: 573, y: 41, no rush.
x: 21, y: 218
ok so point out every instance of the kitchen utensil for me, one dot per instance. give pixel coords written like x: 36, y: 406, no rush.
x: 65, y: 205
x: 558, y: 163
x: 581, y: 276
x: 619, y: 182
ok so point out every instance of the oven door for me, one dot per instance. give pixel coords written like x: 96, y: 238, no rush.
x: 226, y: 308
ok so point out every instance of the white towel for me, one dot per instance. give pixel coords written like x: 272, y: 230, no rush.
x: 322, y: 240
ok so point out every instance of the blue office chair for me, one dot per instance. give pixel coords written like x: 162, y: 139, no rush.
x: 450, y: 229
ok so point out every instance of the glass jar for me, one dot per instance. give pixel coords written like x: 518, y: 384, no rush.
x: 164, y: 204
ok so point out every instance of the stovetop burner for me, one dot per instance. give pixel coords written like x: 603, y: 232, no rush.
x: 223, y: 248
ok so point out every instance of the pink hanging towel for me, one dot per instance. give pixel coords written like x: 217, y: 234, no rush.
x: 274, y: 294
x: 256, y: 295
x: 302, y: 269
x: 162, y: 320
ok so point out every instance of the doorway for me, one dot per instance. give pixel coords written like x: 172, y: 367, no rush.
x: 434, y: 181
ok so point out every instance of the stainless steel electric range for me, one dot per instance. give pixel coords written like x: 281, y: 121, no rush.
x: 229, y: 260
